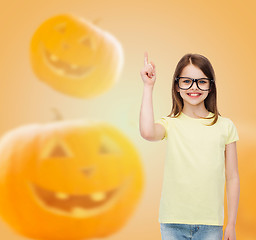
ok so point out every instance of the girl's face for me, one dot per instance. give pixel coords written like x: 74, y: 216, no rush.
x: 192, y: 72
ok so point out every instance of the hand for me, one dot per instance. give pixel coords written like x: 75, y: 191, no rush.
x: 148, y: 73
x: 230, y: 233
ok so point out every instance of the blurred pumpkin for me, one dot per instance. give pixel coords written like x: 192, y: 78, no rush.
x: 68, y: 180
x: 75, y: 57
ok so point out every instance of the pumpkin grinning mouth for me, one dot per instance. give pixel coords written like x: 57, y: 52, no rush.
x: 79, y: 205
x: 62, y: 67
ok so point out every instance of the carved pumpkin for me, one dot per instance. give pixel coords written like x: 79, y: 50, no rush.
x: 75, y: 57
x: 68, y: 180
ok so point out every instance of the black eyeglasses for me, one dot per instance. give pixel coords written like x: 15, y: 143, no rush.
x: 185, y: 83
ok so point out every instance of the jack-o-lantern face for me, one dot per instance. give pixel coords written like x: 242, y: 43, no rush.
x: 75, y: 57
x: 68, y: 174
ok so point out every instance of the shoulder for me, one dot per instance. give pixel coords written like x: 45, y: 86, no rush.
x: 170, y: 119
x: 231, y: 132
x: 165, y: 118
x: 226, y: 121
x: 166, y: 121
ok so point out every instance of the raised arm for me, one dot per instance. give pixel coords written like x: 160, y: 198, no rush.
x: 148, y: 129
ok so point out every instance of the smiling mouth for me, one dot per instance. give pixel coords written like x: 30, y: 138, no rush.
x: 78, y: 205
x: 64, y: 68
x: 194, y: 95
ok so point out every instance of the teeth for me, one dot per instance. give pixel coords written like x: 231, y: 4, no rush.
x: 98, y: 196
x: 54, y: 58
x: 193, y: 94
x: 77, y: 211
x: 61, y: 195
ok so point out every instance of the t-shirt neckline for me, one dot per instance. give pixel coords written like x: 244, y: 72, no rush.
x: 185, y: 115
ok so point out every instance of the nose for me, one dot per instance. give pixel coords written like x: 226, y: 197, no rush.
x: 65, y: 45
x: 88, y: 170
x: 194, y: 86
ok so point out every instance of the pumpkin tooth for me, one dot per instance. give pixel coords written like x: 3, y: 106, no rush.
x: 98, y: 196
x: 61, y: 195
x: 54, y: 58
x: 77, y: 211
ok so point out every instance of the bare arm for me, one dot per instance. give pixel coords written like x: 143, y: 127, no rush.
x: 232, y: 181
x: 148, y: 129
x: 232, y: 188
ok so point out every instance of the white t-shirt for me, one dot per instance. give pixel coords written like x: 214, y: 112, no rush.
x: 194, y: 169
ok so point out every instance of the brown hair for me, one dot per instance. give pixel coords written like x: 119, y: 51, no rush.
x: 211, y: 100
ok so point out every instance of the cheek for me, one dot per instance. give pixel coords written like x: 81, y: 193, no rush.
x: 205, y: 95
x: 183, y: 95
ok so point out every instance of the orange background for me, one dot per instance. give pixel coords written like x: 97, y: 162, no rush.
x: 223, y: 31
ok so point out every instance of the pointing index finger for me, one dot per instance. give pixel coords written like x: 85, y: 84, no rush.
x: 145, y: 58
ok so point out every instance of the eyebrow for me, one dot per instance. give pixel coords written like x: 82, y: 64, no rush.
x: 197, y: 78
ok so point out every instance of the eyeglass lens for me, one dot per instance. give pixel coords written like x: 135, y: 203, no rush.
x: 203, y: 84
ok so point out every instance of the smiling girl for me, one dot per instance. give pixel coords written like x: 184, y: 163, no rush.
x: 201, y: 153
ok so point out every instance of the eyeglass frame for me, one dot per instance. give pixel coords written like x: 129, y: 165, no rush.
x: 194, y: 80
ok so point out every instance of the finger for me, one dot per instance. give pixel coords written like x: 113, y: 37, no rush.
x: 145, y: 58
x: 154, y: 66
x: 151, y: 66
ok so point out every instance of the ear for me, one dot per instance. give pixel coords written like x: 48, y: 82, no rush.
x: 177, y: 88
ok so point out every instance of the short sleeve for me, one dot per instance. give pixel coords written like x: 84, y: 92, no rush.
x: 164, y: 122
x: 232, y: 133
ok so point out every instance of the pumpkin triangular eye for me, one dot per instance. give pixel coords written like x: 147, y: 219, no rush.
x: 108, y: 146
x: 61, y: 27
x: 86, y: 41
x: 56, y: 148
x: 58, y: 151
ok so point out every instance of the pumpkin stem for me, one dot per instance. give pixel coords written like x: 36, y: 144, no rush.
x: 58, y: 115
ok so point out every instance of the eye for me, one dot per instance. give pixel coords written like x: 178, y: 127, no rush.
x: 61, y: 27
x: 186, y: 80
x: 55, y: 148
x: 202, y: 81
x: 87, y: 42
x: 108, y: 146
